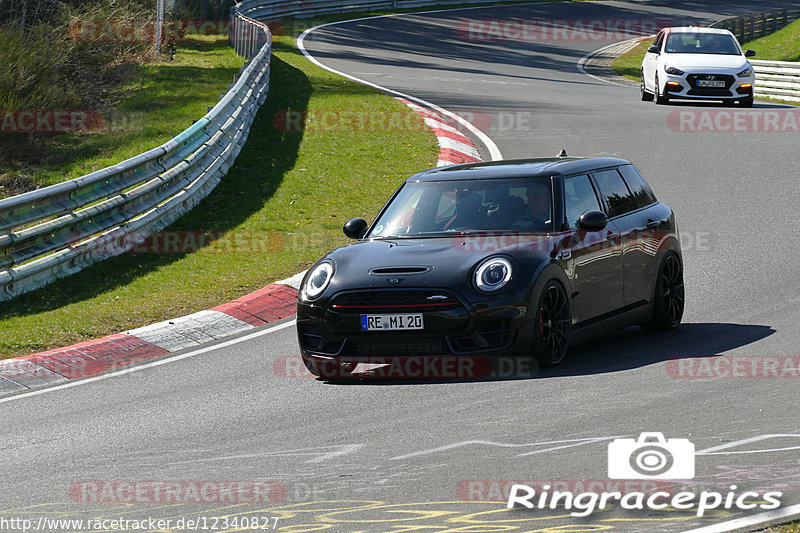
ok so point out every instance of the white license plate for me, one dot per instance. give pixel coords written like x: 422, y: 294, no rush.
x: 711, y: 83
x: 391, y: 322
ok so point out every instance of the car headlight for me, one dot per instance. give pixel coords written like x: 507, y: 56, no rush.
x: 672, y: 70
x: 318, y: 280
x: 745, y: 73
x: 493, y: 274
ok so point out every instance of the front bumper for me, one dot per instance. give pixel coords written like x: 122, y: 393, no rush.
x: 456, y: 326
x: 686, y: 86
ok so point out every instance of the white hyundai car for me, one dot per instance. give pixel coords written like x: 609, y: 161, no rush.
x: 697, y: 63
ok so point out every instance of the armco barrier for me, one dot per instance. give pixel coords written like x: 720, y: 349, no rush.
x: 756, y: 25
x: 777, y: 79
x: 58, y: 230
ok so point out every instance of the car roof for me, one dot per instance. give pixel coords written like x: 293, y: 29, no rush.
x: 698, y: 29
x: 518, y: 168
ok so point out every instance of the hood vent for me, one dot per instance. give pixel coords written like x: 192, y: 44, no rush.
x: 394, y: 271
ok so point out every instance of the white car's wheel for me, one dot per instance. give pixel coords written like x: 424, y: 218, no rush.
x: 646, y: 96
x: 659, y: 98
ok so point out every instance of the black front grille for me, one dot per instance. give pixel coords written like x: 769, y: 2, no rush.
x: 393, y: 347
x: 710, y: 91
x: 393, y: 300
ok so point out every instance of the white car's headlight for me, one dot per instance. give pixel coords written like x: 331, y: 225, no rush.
x: 672, y: 70
x: 318, y: 280
x: 493, y: 274
x: 745, y: 73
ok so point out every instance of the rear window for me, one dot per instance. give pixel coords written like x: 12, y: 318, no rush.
x: 618, y: 198
x: 638, y: 186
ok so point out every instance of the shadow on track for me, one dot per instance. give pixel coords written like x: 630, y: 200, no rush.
x: 626, y: 349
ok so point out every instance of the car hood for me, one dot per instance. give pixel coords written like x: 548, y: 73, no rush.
x: 717, y: 61
x: 446, y: 261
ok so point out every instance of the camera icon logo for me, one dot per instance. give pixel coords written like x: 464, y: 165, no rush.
x: 651, y: 457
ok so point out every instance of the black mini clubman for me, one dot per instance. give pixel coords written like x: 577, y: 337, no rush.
x: 519, y: 257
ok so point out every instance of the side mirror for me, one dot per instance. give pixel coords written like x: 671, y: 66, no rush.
x: 355, y: 228
x: 653, y: 50
x: 593, y: 220
x: 749, y: 53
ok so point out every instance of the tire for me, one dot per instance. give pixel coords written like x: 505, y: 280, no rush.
x: 646, y: 96
x: 668, y: 302
x: 329, y: 369
x: 746, y: 102
x: 552, y: 325
x: 659, y: 98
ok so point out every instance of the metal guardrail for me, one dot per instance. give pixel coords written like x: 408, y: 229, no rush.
x: 58, y: 230
x: 777, y: 79
x: 756, y: 25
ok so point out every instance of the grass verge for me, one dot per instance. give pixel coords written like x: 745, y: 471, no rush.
x: 159, y: 100
x: 282, y: 205
x: 783, y: 45
x: 792, y: 527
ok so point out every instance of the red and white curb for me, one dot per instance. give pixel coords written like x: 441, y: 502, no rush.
x: 273, y: 302
x: 455, y: 147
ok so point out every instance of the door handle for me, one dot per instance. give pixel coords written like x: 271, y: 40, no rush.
x: 610, y: 236
x: 653, y: 224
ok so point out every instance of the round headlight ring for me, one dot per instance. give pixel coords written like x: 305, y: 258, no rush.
x: 493, y: 274
x: 318, y: 280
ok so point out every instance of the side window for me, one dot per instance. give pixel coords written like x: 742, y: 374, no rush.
x: 659, y: 39
x: 639, y: 188
x: 618, y: 198
x: 579, y: 197
x: 447, y: 205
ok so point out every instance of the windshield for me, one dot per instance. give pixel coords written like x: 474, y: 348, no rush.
x: 702, y: 43
x: 446, y: 207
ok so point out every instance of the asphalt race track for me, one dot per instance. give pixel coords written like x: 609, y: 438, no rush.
x: 380, y: 456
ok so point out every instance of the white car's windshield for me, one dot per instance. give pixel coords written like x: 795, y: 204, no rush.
x: 701, y: 43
